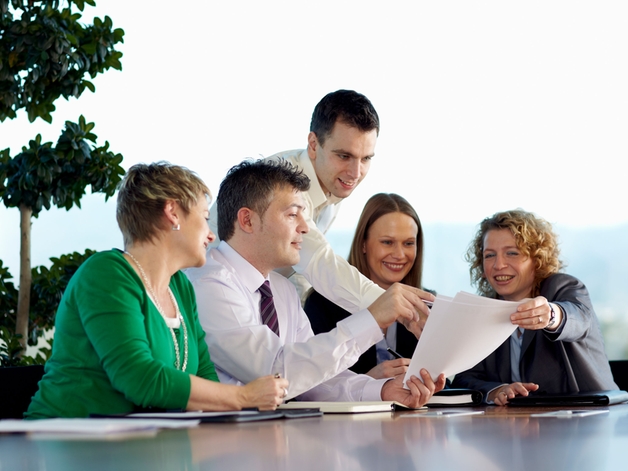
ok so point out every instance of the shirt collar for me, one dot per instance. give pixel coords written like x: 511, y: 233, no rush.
x: 247, y: 273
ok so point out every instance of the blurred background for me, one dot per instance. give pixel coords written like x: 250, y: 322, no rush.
x: 485, y: 106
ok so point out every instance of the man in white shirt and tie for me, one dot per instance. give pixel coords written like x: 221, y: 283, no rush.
x: 340, y: 146
x: 253, y: 317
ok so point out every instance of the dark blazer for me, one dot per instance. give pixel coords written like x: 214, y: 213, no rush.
x: 324, y: 315
x: 569, y: 360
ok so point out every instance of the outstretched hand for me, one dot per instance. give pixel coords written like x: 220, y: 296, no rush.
x: 535, y: 314
x: 402, y: 303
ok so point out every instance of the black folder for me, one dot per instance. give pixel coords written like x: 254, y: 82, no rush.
x: 455, y: 397
x: 217, y: 417
x: 591, y: 398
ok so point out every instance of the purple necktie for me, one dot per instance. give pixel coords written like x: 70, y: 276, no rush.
x: 267, y: 308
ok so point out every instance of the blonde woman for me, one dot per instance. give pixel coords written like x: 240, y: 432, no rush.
x: 127, y: 333
x: 557, y: 346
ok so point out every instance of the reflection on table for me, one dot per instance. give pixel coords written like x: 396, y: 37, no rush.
x: 502, y: 438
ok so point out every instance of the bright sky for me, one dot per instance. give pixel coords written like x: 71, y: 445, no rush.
x: 485, y: 105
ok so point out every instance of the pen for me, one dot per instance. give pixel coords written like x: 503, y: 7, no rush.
x: 393, y: 353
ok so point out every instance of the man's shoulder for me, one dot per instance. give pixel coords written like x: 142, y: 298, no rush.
x: 215, y: 267
x: 293, y: 156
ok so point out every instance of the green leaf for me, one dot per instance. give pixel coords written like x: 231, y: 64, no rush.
x: 89, y: 85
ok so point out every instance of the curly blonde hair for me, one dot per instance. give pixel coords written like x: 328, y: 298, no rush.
x: 534, y: 238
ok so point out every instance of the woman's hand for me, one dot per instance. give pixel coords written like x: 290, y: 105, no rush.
x: 536, y: 314
x: 501, y: 395
x: 390, y: 368
x: 265, y: 393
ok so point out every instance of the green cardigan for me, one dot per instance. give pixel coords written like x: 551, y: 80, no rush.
x: 112, y: 349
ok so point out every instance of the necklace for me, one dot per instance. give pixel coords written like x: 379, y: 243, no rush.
x: 157, y: 304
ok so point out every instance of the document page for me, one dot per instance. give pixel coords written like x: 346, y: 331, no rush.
x: 460, y: 332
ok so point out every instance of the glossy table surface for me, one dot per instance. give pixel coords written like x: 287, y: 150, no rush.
x: 502, y: 439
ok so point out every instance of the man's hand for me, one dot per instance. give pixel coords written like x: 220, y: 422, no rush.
x: 501, y: 395
x: 403, y: 303
x: 419, y: 392
x: 390, y: 368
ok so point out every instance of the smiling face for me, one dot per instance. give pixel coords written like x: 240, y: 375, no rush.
x: 195, y: 233
x: 280, y: 231
x: 509, y: 272
x: 390, y: 248
x: 343, y: 161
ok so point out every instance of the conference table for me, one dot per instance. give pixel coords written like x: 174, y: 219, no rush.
x: 502, y: 438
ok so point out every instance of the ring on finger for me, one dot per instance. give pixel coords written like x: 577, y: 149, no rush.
x: 285, y: 392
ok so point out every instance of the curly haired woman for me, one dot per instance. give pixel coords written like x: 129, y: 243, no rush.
x: 557, y: 346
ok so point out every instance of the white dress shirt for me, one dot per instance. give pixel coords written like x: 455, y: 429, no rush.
x: 330, y: 274
x: 242, y: 348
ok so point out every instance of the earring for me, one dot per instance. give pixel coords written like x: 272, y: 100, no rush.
x: 176, y: 227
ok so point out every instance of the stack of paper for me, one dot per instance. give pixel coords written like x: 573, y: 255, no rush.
x: 460, y: 332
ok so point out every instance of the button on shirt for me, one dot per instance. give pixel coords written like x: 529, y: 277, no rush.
x: 330, y: 274
x: 243, y: 348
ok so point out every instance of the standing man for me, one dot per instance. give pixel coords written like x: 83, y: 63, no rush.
x: 252, y: 315
x: 341, y: 144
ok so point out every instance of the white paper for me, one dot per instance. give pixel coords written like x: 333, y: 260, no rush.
x: 461, y: 332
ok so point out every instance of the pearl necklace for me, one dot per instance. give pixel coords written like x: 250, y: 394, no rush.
x: 157, y: 304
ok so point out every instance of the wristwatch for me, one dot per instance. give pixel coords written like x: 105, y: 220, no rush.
x: 552, y: 319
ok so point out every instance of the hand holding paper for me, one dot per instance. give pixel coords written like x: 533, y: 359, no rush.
x: 461, y: 332
x: 414, y: 392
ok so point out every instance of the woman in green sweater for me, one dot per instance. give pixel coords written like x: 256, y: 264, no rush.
x: 127, y: 334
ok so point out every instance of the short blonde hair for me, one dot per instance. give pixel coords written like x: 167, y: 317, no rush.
x: 534, y: 237
x: 143, y: 193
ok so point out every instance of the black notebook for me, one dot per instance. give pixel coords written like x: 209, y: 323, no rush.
x: 455, y: 397
x: 227, y: 416
x: 591, y: 398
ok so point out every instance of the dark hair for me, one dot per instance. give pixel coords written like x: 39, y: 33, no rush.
x: 143, y: 193
x: 534, y: 237
x: 377, y: 206
x: 251, y: 184
x: 347, y: 106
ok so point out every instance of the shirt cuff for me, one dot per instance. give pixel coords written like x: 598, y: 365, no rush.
x: 363, y: 328
x: 373, y: 389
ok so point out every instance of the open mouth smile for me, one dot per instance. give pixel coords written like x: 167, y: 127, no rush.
x: 503, y: 278
x: 394, y: 266
x: 347, y: 184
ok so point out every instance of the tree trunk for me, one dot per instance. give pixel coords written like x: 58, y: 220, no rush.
x: 24, y: 296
